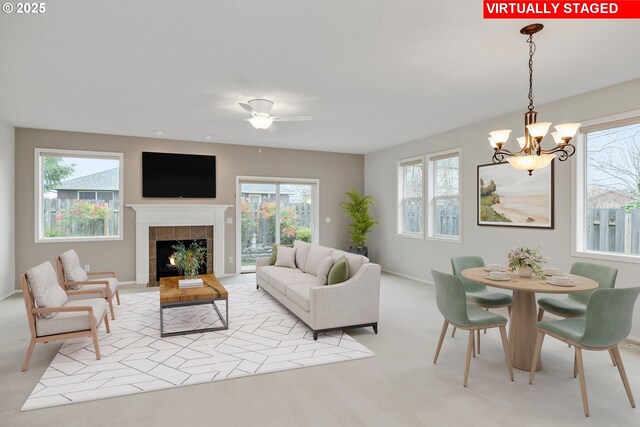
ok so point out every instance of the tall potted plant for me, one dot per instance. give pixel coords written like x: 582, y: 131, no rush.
x: 357, y: 207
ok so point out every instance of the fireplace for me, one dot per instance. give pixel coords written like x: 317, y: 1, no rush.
x: 165, y: 266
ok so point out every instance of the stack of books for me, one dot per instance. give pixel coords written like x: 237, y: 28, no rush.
x: 190, y: 283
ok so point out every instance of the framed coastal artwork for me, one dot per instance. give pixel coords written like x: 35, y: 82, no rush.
x: 511, y: 198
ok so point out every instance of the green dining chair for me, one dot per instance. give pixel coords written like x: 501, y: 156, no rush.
x: 452, y: 303
x: 478, y: 293
x: 606, y: 324
x: 575, y: 304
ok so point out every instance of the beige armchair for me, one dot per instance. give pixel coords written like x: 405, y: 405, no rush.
x: 52, y: 316
x: 72, y: 276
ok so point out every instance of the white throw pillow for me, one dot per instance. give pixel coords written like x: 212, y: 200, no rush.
x: 323, y: 270
x: 45, y: 287
x: 286, y: 257
x: 302, y: 250
x: 73, y: 271
x: 316, y: 255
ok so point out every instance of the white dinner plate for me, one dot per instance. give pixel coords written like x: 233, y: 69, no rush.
x: 570, y: 284
x: 559, y: 273
x: 504, y: 279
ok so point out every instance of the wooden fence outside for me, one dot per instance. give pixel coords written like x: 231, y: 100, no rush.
x: 67, y: 218
x: 613, y: 230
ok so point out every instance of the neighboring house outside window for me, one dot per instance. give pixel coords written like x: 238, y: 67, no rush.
x: 444, y: 195
x: 79, y: 195
x: 410, y: 197
x: 608, y: 189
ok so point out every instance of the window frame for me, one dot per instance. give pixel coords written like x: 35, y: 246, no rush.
x: 400, y: 165
x: 39, y: 188
x: 579, y: 188
x: 431, y: 158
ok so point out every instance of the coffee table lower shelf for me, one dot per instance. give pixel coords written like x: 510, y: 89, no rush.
x: 224, y: 320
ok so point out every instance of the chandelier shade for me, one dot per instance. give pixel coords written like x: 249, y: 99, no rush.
x: 531, y: 155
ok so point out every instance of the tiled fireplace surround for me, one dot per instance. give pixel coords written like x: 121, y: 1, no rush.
x: 178, y: 233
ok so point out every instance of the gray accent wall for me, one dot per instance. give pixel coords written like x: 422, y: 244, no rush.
x: 336, y: 172
x: 416, y: 257
x: 7, y: 210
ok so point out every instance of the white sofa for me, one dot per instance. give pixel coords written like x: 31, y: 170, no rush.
x: 350, y: 304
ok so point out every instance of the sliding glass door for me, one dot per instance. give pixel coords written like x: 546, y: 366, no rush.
x: 274, y: 212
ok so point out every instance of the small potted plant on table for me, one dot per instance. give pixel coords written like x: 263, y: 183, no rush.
x: 188, y: 259
x: 528, y: 261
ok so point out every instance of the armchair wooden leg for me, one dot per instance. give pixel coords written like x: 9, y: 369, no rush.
x: 613, y: 359
x: 113, y: 314
x: 583, y: 383
x: 118, y: 296
x: 479, y: 340
x: 470, y: 347
x: 454, y: 332
x: 94, y: 335
x: 106, y: 323
x: 445, y: 325
x: 27, y: 357
x: 615, y: 351
x: 536, y: 355
x: 507, y: 350
x: 540, y: 313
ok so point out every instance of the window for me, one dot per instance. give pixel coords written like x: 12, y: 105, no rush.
x: 609, y: 188
x: 410, y: 197
x: 78, y: 195
x: 444, y: 195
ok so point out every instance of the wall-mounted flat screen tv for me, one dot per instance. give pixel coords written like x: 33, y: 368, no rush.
x: 178, y: 175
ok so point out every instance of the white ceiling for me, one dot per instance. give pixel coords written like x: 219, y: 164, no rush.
x: 372, y: 73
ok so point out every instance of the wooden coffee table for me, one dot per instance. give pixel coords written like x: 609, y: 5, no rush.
x: 172, y: 296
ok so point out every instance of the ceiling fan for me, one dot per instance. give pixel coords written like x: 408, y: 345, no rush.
x: 261, y: 118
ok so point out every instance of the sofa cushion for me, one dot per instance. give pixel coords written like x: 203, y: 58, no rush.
x: 323, y: 271
x: 282, y: 281
x: 339, y: 272
x: 316, y: 255
x: 286, y: 257
x: 355, y: 261
x: 72, y: 321
x: 45, y: 288
x: 274, y: 253
x: 302, y: 250
x: 300, y: 295
x: 73, y: 271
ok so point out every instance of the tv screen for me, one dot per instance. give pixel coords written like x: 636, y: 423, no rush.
x: 178, y: 175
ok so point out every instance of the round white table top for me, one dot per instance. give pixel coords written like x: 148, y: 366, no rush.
x: 532, y: 284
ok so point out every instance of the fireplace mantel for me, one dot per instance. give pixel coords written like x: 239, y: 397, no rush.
x: 148, y: 215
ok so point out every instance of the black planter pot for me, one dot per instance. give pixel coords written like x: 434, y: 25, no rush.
x: 360, y: 251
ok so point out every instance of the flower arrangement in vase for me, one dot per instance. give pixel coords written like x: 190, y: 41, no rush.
x: 188, y: 259
x: 528, y: 261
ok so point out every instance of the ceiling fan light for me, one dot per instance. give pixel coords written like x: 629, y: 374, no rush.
x: 522, y: 141
x: 531, y: 162
x: 500, y: 136
x: 538, y: 130
x: 567, y: 130
x: 261, y: 122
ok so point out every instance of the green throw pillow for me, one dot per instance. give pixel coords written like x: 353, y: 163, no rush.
x: 339, y: 272
x: 274, y: 253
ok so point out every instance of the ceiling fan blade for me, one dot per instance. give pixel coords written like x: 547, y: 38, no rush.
x: 272, y: 128
x: 227, y: 120
x: 248, y: 107
x: 291, y: 118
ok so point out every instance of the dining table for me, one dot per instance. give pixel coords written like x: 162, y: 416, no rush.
x: 524, y: 318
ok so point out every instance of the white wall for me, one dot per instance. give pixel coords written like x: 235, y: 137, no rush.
x: 7, y: 210
x: 415, y: 258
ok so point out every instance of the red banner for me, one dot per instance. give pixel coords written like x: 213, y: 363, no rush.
x: 627, y: 9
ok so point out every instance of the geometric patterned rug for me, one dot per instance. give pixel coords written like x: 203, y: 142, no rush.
x: 263, y: 337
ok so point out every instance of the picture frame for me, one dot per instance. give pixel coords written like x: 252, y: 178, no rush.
x: 508, y: 197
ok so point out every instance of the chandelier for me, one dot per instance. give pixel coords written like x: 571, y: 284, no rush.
x: 531, y: 155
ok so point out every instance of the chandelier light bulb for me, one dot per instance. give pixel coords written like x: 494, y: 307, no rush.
x: 492, y: 142
x: 538, y: 130
x: 567, y: 130
x: 500, y: 136
x: 522, y: 141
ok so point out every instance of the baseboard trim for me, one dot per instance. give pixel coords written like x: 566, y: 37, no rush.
x: 8, y: 294
x: 406, y: 276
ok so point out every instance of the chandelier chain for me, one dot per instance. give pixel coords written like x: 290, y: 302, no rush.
x: 532, y: 51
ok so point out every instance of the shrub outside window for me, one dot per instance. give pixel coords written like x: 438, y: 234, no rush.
x: 78, y: 195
